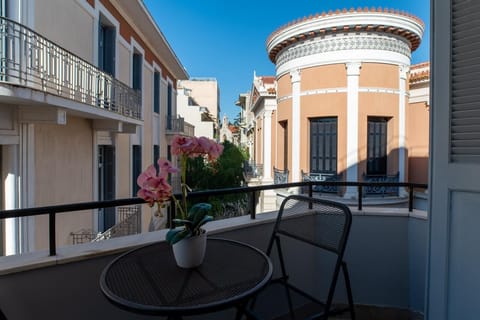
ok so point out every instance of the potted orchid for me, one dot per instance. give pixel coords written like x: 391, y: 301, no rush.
x: 187, y: 233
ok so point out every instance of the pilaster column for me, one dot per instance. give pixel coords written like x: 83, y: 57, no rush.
x: 267, y: 145
x: 353, y: 75
x: 295, y: 78
x: 402, y: 154
x: 10, y: 196
x: 27, y: 186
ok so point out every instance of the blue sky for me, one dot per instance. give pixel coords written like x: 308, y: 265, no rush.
x: 225, y: 39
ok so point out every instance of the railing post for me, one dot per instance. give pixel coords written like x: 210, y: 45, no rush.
x: 310, y: 190
x: 410, y: 198
x: 51, y: 232
x: 253, y: 209
x: 360, y: 196
x: 171, y: 214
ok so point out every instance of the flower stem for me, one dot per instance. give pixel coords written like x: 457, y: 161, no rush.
x: 184, y: 185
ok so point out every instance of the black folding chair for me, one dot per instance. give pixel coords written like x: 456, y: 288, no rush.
x: 324, y: 225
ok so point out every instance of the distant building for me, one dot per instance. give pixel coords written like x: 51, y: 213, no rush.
x: 229, y: 132
x: 246, y: 124
x: 263, y: 106
x: 199, y: 104
x: 418, y: 122
x: 345, y: 102
x: 86, y: 104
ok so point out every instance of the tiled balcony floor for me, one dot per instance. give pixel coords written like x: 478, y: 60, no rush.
x: 361, y: 313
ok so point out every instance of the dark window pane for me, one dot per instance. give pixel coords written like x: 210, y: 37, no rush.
x: 156, y: 92
x: 136, y: 167
x: 137, y: 72
x: 377, y: 146
x: 323, y: 145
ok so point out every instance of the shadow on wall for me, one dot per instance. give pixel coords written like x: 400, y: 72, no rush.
x: 416, y: 171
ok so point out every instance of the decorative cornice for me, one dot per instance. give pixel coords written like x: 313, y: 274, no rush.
x: 374, y: 21
x: 341, y: 43
x: 342, y: 90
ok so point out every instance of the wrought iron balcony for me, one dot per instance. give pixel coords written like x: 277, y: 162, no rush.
x: 252, y: 169
x: 280, y: 176
x: 30, y: 60
x: 177, y: 125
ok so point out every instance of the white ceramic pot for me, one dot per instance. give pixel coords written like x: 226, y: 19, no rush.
x: 189, y: 252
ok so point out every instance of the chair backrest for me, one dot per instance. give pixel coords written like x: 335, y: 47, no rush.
x: 321, y: 223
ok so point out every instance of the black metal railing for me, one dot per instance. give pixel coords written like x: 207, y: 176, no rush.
x: 382, y: 190
x: 52, y: 211
x: 317, y: 176
x: 30, y: 60
x: 252, y: 169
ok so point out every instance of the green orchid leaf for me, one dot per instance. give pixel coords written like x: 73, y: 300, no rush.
x: 198, y: 212
x: 175, y: 235
x: 181, y: 222
x: 205, y: 220
x: 171, y: 234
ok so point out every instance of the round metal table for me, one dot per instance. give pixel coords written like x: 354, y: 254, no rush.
x: 147, y: 279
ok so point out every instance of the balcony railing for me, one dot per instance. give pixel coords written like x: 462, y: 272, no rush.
x: 130, y: 223
x: 175, y: 124
x: 52, y: 211
x: 280, y: 176
x: 252, y: 169
x: 28, y: 59
x: 189, y: 129
x: 178, y: 125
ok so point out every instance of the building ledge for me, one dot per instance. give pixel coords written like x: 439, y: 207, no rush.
x: 73, y: 253
x: 37, y: 100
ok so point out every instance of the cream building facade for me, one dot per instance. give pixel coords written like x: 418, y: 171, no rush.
x: 86, y: 91
x: 342, y: 97
x: 199, y: 104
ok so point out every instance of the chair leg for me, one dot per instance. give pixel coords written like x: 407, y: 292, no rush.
x: 285, y: 279
x: 349, y: 290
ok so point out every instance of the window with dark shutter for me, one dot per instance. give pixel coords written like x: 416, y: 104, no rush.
x: 156, y: 155
x: 323, y: 145
x: 156, y: 92
x: 106, y: 46
x: 377, y: 146
x: 465, y: 75
x: 137, y: 71
x: 136, y: 167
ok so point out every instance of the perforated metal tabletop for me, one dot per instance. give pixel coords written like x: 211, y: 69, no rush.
x: 147, y: 280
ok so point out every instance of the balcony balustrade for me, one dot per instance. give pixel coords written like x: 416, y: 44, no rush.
x: 280, y: 176
x: 29, y: 60
x: 177, y: 125
x: 252, y: 169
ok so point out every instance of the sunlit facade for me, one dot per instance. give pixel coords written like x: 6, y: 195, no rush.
x: 342, y: 97
x: 86, y: 103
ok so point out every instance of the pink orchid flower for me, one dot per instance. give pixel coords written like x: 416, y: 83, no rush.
x: 154, y: 188
x: 184, y: 145
x: 166, y: 167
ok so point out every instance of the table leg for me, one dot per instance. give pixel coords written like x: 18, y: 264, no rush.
x: 243, y: 310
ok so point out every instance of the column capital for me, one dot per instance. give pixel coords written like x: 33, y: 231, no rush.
x: 403, y: 69
x: 295, y: 75
x: 353, y: 68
